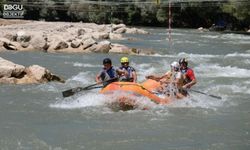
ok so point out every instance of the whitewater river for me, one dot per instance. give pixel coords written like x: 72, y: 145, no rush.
x: 37, y: 117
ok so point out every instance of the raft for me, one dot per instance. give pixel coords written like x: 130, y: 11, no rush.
x: 135, y: 89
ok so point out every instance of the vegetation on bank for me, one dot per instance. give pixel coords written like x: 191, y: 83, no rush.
x: 229, y: 14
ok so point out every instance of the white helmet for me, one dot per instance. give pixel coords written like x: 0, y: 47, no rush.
x: 175, y: 65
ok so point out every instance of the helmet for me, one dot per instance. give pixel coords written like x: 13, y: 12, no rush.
x: 183, y: 61
x: 175, y: 65
x: 124, y: 60
x: 107, y: 61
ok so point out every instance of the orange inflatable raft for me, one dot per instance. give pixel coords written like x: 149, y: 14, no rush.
x: 135, y: 89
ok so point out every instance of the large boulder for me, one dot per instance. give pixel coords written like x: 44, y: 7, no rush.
x: 11, y: 37
x: 88, y: 43
x: 120, y: 30
x: 9, y: 69
x: 80, y: 32
x: 75, y: 43
x: 100, y: 35
x: 39, y: 42
x: 118, y: 48
x: 102, y: 47
x: 61, y: 45
x: 11, y: 73
x: 41, y: 74
x: 118, y: 26
x: 136, y: 31
x: 115, y: 36
x: 22, y: 36
x: 10, y: 45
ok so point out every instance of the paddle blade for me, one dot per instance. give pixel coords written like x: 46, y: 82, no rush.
x: 71, y: 92
x: 218, y: 97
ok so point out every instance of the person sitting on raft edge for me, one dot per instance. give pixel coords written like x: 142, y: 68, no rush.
x: 188, y: 75
x: 126, y: 72
x: 171, y: 82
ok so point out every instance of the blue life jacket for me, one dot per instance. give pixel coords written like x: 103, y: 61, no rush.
x: 108, y: 74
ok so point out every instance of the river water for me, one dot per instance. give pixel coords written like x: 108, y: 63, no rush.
x: 37, y: 117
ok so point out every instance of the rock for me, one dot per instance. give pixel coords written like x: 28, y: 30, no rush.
x: 248, y: 30
x: 102, y: 47
x: 12, y: 46
x: 100, y: 35
x: 37, y: 72
x: 1, y: 46
x: 11, y: 73
x: 85, y: 36
x: 5, y: 80
x: 88, y: 43
x: 118, y: 48
x: 75, y: 43
x: 3, y: 42
x: 25, y: 44
x: 92, y: 48
x: 61, y: 45
x: 38, y: 42
x: 115, y: 27
x: 21, y: 36
x: 143, y: 51
x: 10, y: 37
x: 136, y: 31
x: 114, y: 36
x: 202, y: 29
x: 9, y: 69
x: 81, y: 32
x: 120, y: 30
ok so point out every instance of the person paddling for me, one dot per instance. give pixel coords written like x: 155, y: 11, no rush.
x: 107, y: 73
x: 188, y: 74
x: 171, y: 82
x: 126, y: 72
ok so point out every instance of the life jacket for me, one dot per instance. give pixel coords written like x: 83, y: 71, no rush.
x: 129, y: 77
x: 108, y: 74
x: 171, y: 89
x: 188, y: 75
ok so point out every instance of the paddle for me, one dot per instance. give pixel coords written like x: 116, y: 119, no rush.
x: 218, y: 97
x: 72, y: 91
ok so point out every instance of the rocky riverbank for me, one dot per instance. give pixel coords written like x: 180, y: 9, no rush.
x: 11, y: 73
x: 66, y: 37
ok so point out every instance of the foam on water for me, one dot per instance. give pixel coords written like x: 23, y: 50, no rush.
x: 198, y: 101
x: 238, y: 37
x: 234, y: 88
x: 186, y: 41
x: 244, y: 55
x: 78, y: 64
x: 94, y: 99
x: 211, y: 36
x: 215, y: 70
x: 83, y: 77
x: 86, y: 100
